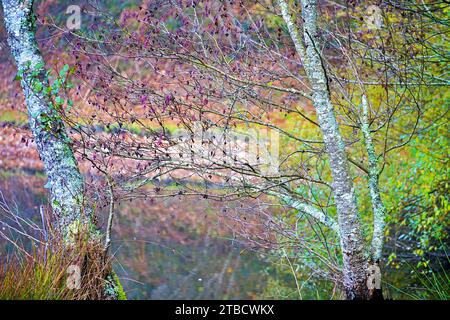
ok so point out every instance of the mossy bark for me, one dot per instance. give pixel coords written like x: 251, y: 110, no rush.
x: 351, y: 240
x: 378, y: 207
x: 65, y: 181
x: 379, y: 210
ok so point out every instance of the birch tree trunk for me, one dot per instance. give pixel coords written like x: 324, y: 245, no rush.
x: 378, y: 208
x: 64, y: 179
x: 351, y: 240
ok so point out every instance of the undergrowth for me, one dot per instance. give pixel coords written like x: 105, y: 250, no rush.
x: 53, y: 270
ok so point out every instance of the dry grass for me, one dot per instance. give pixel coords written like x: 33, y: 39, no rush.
x: 48, y: 273
x: 44, y: 267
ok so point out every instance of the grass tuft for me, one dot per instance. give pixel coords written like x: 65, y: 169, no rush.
x: 53, y: 270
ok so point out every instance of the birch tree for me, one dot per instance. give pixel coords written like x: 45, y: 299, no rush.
x: 212, y: 68
x: 350, y: 230
x: 65, y: 181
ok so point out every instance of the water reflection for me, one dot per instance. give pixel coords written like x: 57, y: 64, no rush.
x: 210, y: 269
x: 178, y: 249
x: 172, y: 249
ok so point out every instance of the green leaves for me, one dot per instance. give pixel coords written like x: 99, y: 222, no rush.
x: 37, y: 86
x: 19, y: 76
x: 59, y: 101
x: 39, y: 66
x: 64, y: 71
x: 69, y: 104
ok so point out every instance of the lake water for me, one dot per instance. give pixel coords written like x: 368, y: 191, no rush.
x: 162, y: 255
x: 177, y: 249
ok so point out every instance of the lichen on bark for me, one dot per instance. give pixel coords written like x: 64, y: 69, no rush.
x: 378, y: 208
x: 65, y: 181
x: 351, y: 240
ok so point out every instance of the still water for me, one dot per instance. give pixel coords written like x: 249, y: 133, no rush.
x: 165, y: 250
x: 177, y: 249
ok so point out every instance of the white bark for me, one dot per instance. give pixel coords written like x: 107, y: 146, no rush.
x: 311, y: 211
x: 64, y: 179
x: 351, y: 240
x: 379, y: 210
